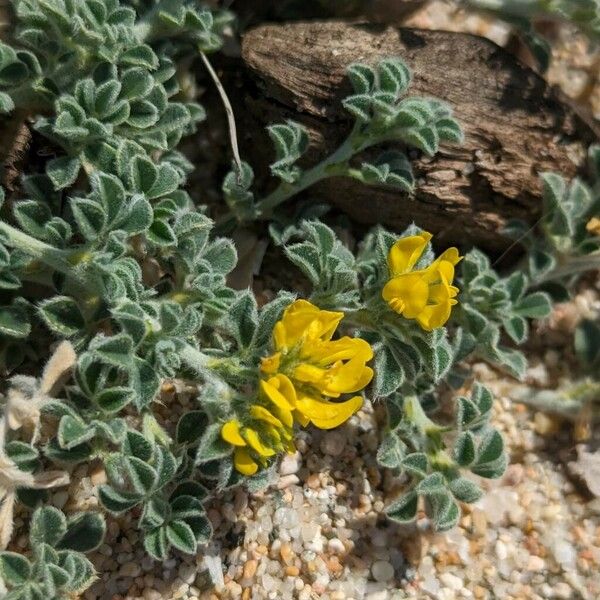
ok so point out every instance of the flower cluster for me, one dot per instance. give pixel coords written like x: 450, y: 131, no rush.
x: 427, y: 294
x: 304, y: 379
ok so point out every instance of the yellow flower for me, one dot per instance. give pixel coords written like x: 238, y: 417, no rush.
x: 426, y: 295
x: 306, y: 408
x: 306, y: 354
x: 305, y: 371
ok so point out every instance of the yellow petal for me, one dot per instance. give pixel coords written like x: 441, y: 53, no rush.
x: 301, y: 418
x: 450, y: 255
x: 408, y: 292
x: 271, y: 391
x: 255, y: 442
x: 282, y: 407
x: 327, y: 415
x: 349, y: 378
x: 243, y: 462
x: 405, y: 253
x: 270, y: 364
x: 344, y: 348
x: 230, y: 432
x: 309, y: 373
x: 286, y: 387
x: 436, y: 315
x: 262, y: 414
x: 302, y: 319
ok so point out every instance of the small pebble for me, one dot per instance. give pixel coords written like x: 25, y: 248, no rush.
x: 382, y: 570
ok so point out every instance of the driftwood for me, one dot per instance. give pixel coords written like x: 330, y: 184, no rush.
x: 516, y: 126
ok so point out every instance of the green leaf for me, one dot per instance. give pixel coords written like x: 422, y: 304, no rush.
x: 394, y: 76
x: 78, y: 454
x: 116, y: 350
x: 390, y: 452
x: 181, y: 536
x: 404, y: 510
x: 117, y: 502
x: 15, y: 569
x: 62, y: 316
x: 6, y: 103
x: 80, y: 569
x: 112, y: 400
x: 491, y: 447
x: 242, y: 318
x: 389, y: 373
x: 23, y: 455
x: 48, y: 526
x: 432, y: 484
x: 161, y: 233
x: 444, y: 511
x: 534, y: 306
x: 136, y: 83
x: 425, y: 139
x: 73, y: 432
x: 362, y: 78
x: 137, y: 445
x: 464, y: 449
x: 63, y: 171
x: 190, y: 488
x: 143, y: 477
x: 465, y: 490
x: 191, y: 426
x: 516, y: 327
x: 166, y: 182
x: 14, y: 322
x: 416, y: 464
x: 212, y: 446
x: 155, y: 543
x: 155, y: 513
x: 139, y: 217
x: 140, y: 56
x: 57, y: 575
x: 359, y: 106
x: 90, y: 217
x: 85, y: 532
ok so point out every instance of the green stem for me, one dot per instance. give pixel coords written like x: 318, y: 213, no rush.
x: 53, y: 257
x: 416, y: 415
x: 567, y: 402
x: 573, y: 266
x: 203, y: 365
x: 335, y: 164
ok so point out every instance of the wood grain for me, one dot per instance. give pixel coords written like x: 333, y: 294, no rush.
x: 516, y: 126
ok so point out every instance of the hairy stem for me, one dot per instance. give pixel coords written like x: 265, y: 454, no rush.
x: 53, y: 257
x: 573, y: 266
x: 202, y: 364
x: 335, y: 164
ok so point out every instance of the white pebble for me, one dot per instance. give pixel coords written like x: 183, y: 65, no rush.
x: 382, y: 570
x: 335, y: 546
x: 287, y: 481
x: 290, y: 464
x: 501, y: 551
x: 536, y: 563
x: 451, y: 581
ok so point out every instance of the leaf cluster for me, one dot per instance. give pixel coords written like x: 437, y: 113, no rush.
x: 57, y: 567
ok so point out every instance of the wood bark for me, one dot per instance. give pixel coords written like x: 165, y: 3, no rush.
x: 516, y: 126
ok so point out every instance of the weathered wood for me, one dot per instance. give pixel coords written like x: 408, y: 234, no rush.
x: 516, y: 126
